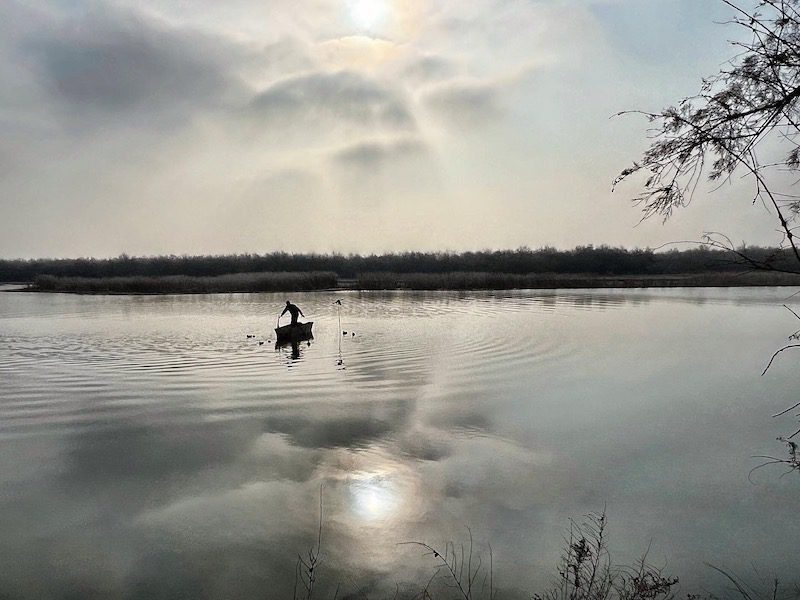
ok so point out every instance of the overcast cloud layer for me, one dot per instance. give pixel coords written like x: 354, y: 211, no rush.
x: 158, y: 126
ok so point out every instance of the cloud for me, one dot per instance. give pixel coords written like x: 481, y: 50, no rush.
x: 152, y: 453
x: 211, y: 544
x: 429, y: 68
x: 282, y: 58
x: 108, y: 63
x: 336, y: 431
x: 386, y: 173
x: 464, y: 104
x: 376, y: 154
x: 148, y: 125
x: 425, y: 444
x: 336, y: 99
x: 356, y: 51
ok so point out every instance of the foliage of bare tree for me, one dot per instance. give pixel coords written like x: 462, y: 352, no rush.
x: 725, y: 129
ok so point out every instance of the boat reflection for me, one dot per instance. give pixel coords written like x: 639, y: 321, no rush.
x: 293, y: 349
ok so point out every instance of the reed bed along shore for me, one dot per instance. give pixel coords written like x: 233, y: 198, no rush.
x: 598, y: 260
x: 183, y: 284
x: 316, y: 280
x: 506, y: 281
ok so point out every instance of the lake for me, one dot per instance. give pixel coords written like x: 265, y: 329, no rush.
x: 150, y: 449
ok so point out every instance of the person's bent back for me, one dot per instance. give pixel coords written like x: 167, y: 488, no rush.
x: 292, y: 310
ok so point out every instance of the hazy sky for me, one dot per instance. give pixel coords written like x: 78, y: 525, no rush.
x: 178, y: 126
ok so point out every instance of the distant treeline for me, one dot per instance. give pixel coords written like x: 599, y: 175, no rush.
x: 600, y: 260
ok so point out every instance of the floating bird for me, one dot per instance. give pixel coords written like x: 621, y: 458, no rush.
x: 344, y: 333
x: 250, y: 336
x: 260, y: 343
x: 354, y: 334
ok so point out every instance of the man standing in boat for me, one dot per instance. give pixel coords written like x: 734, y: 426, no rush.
x: 292, y: 310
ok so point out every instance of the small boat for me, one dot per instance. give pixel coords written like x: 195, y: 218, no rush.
x: 294, y: 333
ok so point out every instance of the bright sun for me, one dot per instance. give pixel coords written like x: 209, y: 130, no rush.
x: 368, y: 14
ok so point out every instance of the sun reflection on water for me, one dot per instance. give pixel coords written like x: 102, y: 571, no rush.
x: 374, y: 496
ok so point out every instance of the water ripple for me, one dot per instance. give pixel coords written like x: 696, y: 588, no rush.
x: 77, y: 360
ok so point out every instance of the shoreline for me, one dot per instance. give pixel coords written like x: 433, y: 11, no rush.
x: 456, y: 281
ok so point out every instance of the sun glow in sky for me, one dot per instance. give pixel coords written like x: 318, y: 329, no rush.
x: 368, y: 14
x: 343, y: 125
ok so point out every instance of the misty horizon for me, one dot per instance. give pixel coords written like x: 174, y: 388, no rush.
x: 680, y: 246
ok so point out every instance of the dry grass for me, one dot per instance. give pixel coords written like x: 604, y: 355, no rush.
x: 585, y: 571
x: 505, y: 281
x: 182, y: 284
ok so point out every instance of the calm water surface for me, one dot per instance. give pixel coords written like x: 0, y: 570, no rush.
x: 149, y: 449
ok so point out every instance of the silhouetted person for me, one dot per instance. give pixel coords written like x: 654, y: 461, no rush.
x: 293, y: 310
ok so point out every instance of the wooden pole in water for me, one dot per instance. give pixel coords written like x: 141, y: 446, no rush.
x: 338, y: 304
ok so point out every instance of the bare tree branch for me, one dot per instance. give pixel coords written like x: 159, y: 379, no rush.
x: 720, y: 130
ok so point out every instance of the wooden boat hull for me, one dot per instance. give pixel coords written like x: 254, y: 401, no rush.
x: 294, y: 333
